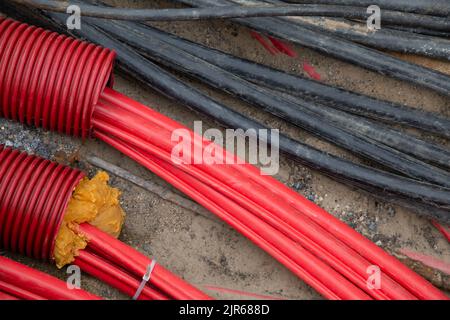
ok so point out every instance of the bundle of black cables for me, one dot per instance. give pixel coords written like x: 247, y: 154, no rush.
x: 254, y: 9
x: 340, y: 38
x: 421, y: 181
x: 396, y: 38
x: 331, y: 44
x: 429, y: 7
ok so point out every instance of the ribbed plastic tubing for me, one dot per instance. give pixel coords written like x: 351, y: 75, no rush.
x: 34, y: 193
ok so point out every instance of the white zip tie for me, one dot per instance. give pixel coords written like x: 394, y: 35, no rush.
x: 145, y: 279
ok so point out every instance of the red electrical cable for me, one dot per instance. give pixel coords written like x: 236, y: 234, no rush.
x: 402, y: 294
x: 211, y: 205
x: 20, y: 293
x: 37, y: 283
x: 4, y: 296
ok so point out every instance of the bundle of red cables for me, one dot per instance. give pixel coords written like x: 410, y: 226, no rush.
x: 34, y: 194
x: 327, y: 254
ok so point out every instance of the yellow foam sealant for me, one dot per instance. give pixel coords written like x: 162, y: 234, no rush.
x: 94, y: 202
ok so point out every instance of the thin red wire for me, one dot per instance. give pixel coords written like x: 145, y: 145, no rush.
x: 20, y: 293
x: 283, y: 47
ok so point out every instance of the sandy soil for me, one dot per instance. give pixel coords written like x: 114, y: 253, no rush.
x: 208, y: 253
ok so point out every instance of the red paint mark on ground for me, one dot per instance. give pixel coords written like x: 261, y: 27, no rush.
x: 311, y: 71
x: 283, y: 47
x: 242, y: 293
x: 278, y: 46
x: 272, y: 50
x: 442, y: 229
x: 429, y: 261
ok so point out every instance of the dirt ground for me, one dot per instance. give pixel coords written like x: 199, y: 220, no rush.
x: 208, y: 253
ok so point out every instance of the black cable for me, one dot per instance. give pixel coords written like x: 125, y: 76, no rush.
x: 391, y: 38
x: 398, y: 140
x: 426, y: 32
x: 385, y: 38
x: 377, y: 133
x: 388, y: 17
x: 342, y: 49
x: 392, y: 17
x: 431, y: 7
x: 424, y: 199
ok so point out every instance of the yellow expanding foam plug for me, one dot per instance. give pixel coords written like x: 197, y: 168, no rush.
x: 94, y: 202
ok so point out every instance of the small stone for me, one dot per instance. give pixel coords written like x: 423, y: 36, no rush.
x: 391, y: 211
x: 298, y: 186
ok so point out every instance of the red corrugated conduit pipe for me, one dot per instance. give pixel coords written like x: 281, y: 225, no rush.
x: 34, y: 194
x: 30, y: 184
x: 60, y: 84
